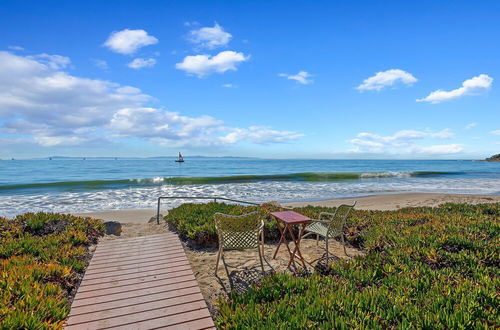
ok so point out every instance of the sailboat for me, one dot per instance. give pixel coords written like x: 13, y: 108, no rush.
x: 180, y: 159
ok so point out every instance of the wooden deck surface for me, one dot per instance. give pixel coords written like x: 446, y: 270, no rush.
x: 139, y: 283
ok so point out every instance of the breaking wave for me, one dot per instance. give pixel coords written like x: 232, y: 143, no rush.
x: 157, y: 181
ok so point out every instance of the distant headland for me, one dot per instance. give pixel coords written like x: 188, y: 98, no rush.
x: 494, y: 158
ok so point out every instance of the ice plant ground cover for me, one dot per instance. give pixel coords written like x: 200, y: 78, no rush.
x: 195, y: 222
x: 42, y: 259
x: 424, y: 267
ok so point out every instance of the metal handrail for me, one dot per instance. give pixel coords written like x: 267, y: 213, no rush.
x: 215, y: 198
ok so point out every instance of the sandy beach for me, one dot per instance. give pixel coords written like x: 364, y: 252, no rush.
x: 389, y: 202
x: 382, y: 202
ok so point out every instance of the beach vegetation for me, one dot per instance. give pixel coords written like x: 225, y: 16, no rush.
x: 423, y: 268
x: 42, y: 259
x: 195, y: 222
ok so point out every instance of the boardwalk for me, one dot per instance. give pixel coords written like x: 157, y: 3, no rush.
x: 139, y: 283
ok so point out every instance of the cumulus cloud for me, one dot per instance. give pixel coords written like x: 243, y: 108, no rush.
x: 495, y: 132
x: 49, y: 107
x: 157, y: 123
x: 302, y: 77
x: 210, y: 37
x: 205, y: 65
x: 139, y: 63
x: 473, y: 86
x: 404, y: 141
x: 386, y: 79
x: 37, y: 99
x: 129, y: 41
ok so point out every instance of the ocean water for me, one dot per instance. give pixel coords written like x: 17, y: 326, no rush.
x: 78, y: 185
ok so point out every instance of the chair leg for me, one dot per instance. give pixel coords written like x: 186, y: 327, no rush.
x: 260, y: 258
x: 225, y: 266
x: 343, y: 244
x: 262, y: 234
x: 218, y: 259
x: 327, y: 253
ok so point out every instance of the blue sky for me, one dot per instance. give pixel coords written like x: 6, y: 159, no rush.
x: 281, y: 79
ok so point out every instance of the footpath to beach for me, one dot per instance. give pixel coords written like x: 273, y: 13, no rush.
x: 144, y: 282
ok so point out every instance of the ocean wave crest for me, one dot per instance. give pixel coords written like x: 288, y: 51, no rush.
x: 157, y: 181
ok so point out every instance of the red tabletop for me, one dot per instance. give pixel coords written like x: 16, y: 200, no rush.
x: 290, y: 217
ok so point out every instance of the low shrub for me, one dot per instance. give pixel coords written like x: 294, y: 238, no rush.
x: 42, y: 258
x: 424, y: 268
x: 195, y: 222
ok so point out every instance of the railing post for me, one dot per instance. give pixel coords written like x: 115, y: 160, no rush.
x: 158, y: 211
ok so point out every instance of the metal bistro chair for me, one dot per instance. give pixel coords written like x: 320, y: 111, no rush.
x: 239, y: 232
x: 330, y: 226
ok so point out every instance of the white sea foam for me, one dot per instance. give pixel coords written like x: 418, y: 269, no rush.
x: 388, y: 174
x: 146, y: 196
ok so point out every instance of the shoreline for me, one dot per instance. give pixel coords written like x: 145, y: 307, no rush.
x: 382, y: 202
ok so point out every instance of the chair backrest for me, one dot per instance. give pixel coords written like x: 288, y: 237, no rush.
x: 239, y: 231
x: 337, y: 219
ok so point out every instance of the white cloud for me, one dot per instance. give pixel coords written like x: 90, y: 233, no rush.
x: 43, y: 105
x: 204, y: 65
x: 387, y: 78
x: 442, y: 149
x: 495, y: 132
x: 302, y: 77
x: 260, y: 134
x: 443, y: 134
x: 139, y: 63
x: 37, y: 99
x: 55, y: 62
x: 404, y: 142
x: 210, y: 37
x: 172, y: 129
x: 192, y: 23
x: 472, y: 86
x: 101, y: 64
x: 16, y: 48
x: 157, y: 123
x: 129, y: 41
x: 470, y: 126
x: 229, y: 86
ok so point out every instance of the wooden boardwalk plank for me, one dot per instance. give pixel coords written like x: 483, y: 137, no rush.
x: 132, y: 301
x: 143, y: 260
x: 131, y: 281
x: 138, y: 264
x: 139, y: 283
x: 138, y: 244
x: 137, y: 270
x: 163, y: 270
x: 144, y: 254
x: 134, y: 251
x: 129, y: 309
